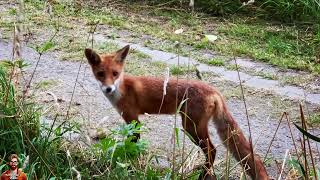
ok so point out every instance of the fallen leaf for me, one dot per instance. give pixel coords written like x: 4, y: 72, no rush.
x: 178, y: 31
x: 211, y: 38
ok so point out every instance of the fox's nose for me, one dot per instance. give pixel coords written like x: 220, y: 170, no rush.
x: 109, y: 89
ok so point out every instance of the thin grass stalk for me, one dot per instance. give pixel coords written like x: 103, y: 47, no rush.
x: 7, y: 90
x: 302, y: 147
x: 21, y: 13
x: 191, y: 159
x: 247, y: 115
x: 35, y: 69
x: 227, y: 155
x: 303, y: 143
x: 16, y: 53
x: 283, y: 164
x: 239, y: 162
x: 69, y: 161
x: 242, y: 165
x: 318, y: 152
x: 16, y: 48
x: 51, y: 128
x: 78, y: 73
x: 273, y: 138
x: 185, y: 121
x: 78, y: 174
x: 165, y: 84
x: 91, y: 31
x: 25, y: 91
x: 2, y: 159
x: 304, y: 125
x: 310, y: 151
x: 293, y: 141
x: 25, y: 163
x: 175, y: 118
x: 312, y: 159
x: 31, y: 144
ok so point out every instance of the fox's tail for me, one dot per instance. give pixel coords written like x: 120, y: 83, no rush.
x: 235, y: 141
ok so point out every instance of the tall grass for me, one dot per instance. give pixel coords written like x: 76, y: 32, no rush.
x: 283, y: 10
x: 14, y: 116
x: 292, y: 10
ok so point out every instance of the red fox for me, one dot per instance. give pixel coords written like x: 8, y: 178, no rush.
x: 136, y: 95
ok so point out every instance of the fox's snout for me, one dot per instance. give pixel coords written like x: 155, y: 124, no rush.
x: 108, y: 90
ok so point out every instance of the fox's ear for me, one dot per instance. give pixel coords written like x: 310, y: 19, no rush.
x: 122, y: 54
x: 92, y: 56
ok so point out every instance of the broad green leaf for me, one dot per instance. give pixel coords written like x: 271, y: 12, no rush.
x: 297, y: 165
x: 45, y: 47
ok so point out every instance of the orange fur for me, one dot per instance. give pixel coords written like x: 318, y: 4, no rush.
x: 132, y: 96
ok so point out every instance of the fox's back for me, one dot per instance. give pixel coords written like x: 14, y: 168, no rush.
x: 149, y: 93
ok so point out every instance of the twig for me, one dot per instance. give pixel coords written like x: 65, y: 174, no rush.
x: 35, y: 69
x: 227, y: 155
x: 175, y: 119
x: 310, y: 151
x: 294, y: 143
x: 185, y: 120
x: 239, y: 162
x: 304, y: 125
x: 274, y: 135
x: 77, y: 77
x: 247, y: 115
x: 303, y: 143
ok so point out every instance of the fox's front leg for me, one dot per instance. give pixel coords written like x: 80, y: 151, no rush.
x: 129, y: 117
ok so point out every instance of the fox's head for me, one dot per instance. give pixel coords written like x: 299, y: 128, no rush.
x: 108, y: 68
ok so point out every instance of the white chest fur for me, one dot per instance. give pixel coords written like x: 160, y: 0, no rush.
x: 114, y: 97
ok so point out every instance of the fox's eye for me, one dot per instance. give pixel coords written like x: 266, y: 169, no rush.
x: 115, y: 73
x: 100, y: 74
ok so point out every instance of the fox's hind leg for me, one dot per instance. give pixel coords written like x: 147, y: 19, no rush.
x: 198, y: 130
